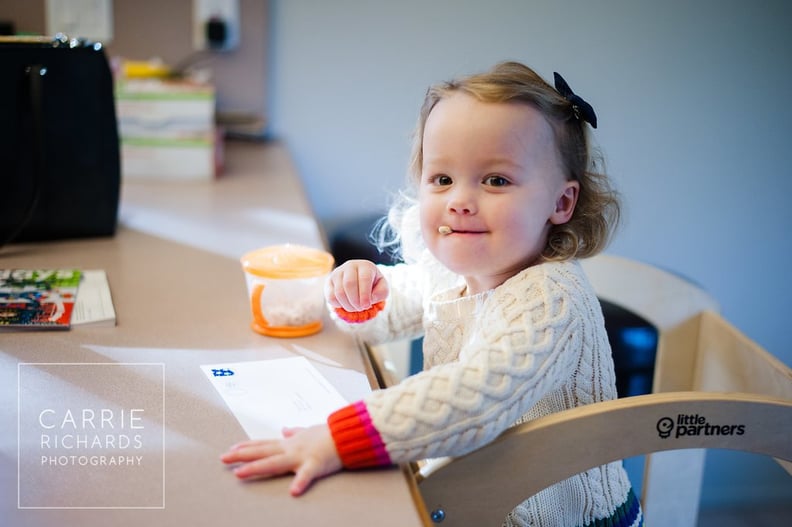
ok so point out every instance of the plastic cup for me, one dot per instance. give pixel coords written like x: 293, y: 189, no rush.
x: 285, y: 288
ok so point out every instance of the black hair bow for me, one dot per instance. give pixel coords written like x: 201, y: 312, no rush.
x: 583, y: 110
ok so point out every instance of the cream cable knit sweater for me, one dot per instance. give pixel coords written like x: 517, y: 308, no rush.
x: 533, y: 346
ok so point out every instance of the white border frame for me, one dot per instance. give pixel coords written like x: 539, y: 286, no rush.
x: 19, y: 426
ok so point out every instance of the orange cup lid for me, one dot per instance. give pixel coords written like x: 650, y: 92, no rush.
x: 287, y: 261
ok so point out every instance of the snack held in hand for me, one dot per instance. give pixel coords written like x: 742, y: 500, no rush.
x: 356, y: 317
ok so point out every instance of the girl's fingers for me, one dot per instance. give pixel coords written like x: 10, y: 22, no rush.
x: 242, y: 444
x: 380, y: 290
x: 351, y: 285
x: 365, y: 284
x: 265, y: 467
x: 303, y: 478
x: 338, y: 296
x: 249, y: 451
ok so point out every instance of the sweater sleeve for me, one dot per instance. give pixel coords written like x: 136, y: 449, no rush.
x: 358, y: 443
x: 529, y: 341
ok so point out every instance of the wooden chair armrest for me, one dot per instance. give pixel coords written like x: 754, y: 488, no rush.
x: 483, y: 486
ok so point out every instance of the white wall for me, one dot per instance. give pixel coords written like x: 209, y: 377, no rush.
x: 694, y: 107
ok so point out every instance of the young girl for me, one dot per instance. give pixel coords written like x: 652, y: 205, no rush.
x: 506, y: 202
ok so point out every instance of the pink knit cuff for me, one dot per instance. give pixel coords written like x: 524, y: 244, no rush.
x: 356, y: 439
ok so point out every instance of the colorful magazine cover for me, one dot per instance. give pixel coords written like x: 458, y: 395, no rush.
x: 38, y: 298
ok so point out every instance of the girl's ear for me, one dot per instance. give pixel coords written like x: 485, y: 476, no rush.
x: 565, y: 204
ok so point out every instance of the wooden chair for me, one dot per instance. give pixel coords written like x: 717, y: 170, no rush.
x: 706, y: 373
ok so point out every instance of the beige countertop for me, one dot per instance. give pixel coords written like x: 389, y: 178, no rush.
x: 180, y: 299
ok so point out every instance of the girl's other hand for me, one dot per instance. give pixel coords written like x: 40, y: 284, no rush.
x: 309, y: 453
x: 356, y: 285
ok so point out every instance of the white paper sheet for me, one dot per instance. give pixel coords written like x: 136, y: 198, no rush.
x: 266, y: 396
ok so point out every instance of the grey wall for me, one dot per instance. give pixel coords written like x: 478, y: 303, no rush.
x: 694, y: 110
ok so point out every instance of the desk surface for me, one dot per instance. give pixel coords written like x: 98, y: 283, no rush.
x: 182, y: 304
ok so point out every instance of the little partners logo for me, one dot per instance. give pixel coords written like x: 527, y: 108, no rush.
x: 91, y: 435
x: 695, y: 425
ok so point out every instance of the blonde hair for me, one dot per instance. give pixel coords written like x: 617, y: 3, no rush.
x: 597, y: 212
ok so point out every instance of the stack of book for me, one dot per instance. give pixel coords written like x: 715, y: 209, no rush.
x: 167, y: 129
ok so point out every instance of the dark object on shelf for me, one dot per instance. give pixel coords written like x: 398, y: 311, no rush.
x: 59, y: 153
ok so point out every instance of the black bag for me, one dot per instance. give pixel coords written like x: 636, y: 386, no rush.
x: 59, y: 153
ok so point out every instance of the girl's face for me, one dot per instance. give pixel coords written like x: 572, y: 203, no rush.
x: 491, y: 173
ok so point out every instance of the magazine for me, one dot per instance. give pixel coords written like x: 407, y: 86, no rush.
x: 38, y: 298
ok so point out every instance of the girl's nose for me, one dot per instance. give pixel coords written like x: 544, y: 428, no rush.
x: 461, y: 202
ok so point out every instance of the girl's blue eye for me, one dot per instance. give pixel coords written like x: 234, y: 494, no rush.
x: 496, y: 181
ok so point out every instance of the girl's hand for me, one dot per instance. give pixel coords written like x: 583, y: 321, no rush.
x: 356, y: 285
x: 307, y: 452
